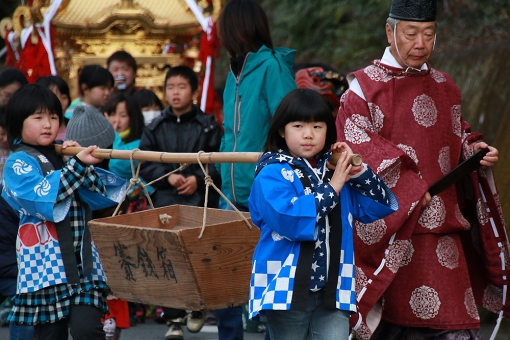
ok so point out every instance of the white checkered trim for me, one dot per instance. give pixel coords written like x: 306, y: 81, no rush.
x: 97, y: 267
x: 346, y: 288
x: 272, y: 287
x: 40, y: 266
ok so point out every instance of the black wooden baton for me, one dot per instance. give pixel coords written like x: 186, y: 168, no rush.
x: 461, y: 170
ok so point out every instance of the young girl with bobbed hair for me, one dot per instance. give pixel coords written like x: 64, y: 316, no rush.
x: 61, y: 281
x: 303, y: 266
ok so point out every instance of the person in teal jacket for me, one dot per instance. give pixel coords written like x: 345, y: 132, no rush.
x: 260, y: 76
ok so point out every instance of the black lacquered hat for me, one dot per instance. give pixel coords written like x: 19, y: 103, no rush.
x: 413, y: 10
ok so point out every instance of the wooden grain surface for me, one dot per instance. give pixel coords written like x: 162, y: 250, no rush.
x: 143, y: 263
x: 221, y: 262
x: 209, y: 273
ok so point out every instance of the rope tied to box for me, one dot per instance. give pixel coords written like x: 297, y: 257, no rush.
x: 135, y: 180
x: 209, y: 182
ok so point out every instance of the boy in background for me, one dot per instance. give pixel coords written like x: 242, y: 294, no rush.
x: 182, y: 127
x: 123, y: 68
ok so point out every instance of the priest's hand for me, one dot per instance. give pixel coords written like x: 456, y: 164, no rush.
x: 425, y: 201
x: 491, y: 157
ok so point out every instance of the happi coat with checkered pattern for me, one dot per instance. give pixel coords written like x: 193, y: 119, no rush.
x: 34, y: 196
x: 427, y: 266
x: 289, y: 214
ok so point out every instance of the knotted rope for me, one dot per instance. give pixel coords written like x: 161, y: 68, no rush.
x: 209, y: 182
x: 135, y: 180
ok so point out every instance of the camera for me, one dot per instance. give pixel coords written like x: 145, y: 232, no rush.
x: 121, y: 82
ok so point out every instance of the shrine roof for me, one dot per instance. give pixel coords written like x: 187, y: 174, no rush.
x: 94, y: 13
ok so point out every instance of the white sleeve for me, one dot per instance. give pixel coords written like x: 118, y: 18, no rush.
x: 354, y: 87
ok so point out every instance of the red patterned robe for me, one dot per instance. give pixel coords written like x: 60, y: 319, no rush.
x: 427, y: 266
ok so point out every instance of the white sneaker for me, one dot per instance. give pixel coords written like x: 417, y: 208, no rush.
x: 195, y: 321
x: 109, y: 326
x: 174, y: 331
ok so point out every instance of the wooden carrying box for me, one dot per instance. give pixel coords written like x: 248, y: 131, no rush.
x: 167, y: 265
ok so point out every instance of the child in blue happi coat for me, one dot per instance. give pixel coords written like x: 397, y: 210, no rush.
x: 60, y: 280
x: 303, y: 266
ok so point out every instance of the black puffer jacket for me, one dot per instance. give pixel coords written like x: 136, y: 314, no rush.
x: 191, y: 132
x: 9, y: 223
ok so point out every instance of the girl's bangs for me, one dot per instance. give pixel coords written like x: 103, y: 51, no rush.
x: 308, y: 110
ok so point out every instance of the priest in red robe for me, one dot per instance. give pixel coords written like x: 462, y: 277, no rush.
x: 422, y: 270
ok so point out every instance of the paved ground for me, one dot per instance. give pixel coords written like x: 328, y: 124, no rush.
x: 154, y: 331
x: 151, y: 330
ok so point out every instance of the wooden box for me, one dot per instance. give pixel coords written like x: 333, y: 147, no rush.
x: 167, y: 265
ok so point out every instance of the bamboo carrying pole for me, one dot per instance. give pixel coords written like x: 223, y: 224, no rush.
x: 167, y: 157
x: 190, y: 158
x: 355, y: 160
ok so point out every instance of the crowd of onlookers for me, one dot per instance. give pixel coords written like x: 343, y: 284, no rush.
x: 111, y: 112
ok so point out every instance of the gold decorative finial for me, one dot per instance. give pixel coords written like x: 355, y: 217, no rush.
x: 5, y: 25
x: 128, y: 4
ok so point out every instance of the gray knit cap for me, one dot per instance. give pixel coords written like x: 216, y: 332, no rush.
x: 89, y: 127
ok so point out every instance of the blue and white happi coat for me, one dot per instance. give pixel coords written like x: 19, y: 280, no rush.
x: 291, y: 216
x: 42, y: 200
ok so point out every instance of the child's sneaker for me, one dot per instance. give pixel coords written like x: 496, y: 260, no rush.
x: 195, y: 322
x: 174, y: 331
x: 109, y: 326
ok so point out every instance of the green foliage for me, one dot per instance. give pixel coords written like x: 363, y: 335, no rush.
x: 338, y: 32
x: 348, y: 34
x: 466, y: 23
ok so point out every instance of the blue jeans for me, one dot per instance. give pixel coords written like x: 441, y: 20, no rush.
x: 230, y: 323
x: 230, y: 320
x: 17, y: 332
x: 317, y: 322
